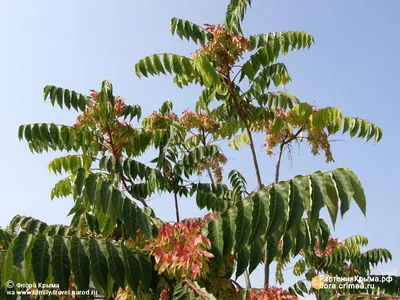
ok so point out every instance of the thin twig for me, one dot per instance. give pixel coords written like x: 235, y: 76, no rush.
x: 195, y: 289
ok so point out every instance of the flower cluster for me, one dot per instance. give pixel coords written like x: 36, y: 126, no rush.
x: 91, y: 115
x: 224, y: 49
x: 270, y: 293
x: 330, y: 247
x: 201, y: 121
x: 316, y: 137
x: 119, y: 106
x: 125, y: 294
x: 118, y: 134
x: 215, y: 165
x: 181, y: 251
x: 156, y: 116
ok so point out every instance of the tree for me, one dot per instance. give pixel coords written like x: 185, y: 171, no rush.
x: 115, y: 241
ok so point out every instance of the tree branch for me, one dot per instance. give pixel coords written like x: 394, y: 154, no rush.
x: 195, y: 289
x: 176, y: 207
x: 120, y: 173
x: 253, y: 152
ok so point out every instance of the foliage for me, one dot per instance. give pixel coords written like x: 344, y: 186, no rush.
x: 115, y: 241
x: 343, y: 259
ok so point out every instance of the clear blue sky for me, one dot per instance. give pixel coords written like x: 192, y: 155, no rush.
x: 76, y: 44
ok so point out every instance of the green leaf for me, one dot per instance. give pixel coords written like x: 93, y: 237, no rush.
x: 358, y: 195
x: 115, y: 265
x: 8, y: 271
x: 80, y: 177
x: 44, y: 132
x: 90, y: 186
x: 371, y: 131
x: 331, y: 198
x: 132, y: 267
x: 157, y: 64
x: 176, y: 64
x: 256, y: 255
x: 146, y: 269
x: 278, y: 125
x: 54, y: 133
x: 364, y: 128
x: 105, y: 194
x: 248, y: 70
x: 287, y: 245
x: 129, y: 218
x: 355, y: 126
x: 67, y: 99
x: 298, y: 195
x: 242, y: 222
x: 259, y: 220
x: 318, y: 192
x: 149, y: 65
x: 215, y: 234
x: 272, y: 248
x: 142, y: 68
x: 277, y: 211
x: 59, y: 96
x: 143, y: 222
x: 28, y: 133
x: 60, y: 262
x: 117, y: 202
x: 228, y: 228
x: 206, y: 70
x: 242, y: 261
x: 98, y: 265
x: 379, y: 135
x: 235, y: 14
x: 20, y: 244
x: 167, y: 62
x: 21, y: 132
x: 344, y: 187
x: 79, y: 264
x: 302, y: 112
x: 346, y: 124
x: 40, y: 258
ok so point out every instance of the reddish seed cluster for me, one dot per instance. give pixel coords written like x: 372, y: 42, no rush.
x: 280, y: 244
x: 164, y: 295
x: 181, y: 251
x: 224, y: 49
x: 270, y: 293
x: 330, y: 248
x: 211, y: 217
x: 95, y: 95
